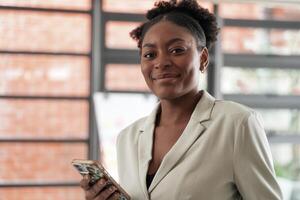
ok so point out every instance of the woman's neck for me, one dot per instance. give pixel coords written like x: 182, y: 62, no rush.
x: 178, y: 110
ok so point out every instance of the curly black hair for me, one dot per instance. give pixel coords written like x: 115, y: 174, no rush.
x: 186, y: 13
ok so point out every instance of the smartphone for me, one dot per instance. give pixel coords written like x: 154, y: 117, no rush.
x: 96, y: 171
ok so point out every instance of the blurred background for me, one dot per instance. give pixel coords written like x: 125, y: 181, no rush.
x: 70, y: 81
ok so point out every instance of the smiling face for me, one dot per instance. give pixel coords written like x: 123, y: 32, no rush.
x: 170, y: 60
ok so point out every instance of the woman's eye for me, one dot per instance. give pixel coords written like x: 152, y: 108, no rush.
x: 149, y: 55
x: 177, y: 51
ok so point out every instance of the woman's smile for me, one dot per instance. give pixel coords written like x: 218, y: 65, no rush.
x: 165, y: 76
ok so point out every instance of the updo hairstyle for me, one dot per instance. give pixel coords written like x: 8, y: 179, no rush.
x: 185, y: 13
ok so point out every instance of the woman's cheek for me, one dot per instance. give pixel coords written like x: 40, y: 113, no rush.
x: 146, y: 75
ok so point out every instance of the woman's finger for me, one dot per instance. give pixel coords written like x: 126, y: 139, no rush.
x: 105, y: 194
x: 84, y: 183
x: 94, y: 190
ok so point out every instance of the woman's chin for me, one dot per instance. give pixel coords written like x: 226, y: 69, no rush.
x: 167, y: 94
x: 173, y: 93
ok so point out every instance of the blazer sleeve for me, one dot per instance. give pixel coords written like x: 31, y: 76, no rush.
x: 253, y: 167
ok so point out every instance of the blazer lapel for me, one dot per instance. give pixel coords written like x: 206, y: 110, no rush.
x: 145, y: 144
x: 191, y: 133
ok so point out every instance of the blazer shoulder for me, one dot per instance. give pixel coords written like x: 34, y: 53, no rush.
x: 233, y: 109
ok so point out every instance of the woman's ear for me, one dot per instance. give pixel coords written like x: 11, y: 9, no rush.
x: 204, y: 59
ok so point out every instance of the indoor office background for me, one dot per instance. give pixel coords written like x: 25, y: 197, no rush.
x: 70, y: 80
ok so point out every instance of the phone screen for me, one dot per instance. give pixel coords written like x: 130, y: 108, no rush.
x: 89, y: 169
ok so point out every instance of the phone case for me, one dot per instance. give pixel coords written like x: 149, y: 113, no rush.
x: 97, y: 171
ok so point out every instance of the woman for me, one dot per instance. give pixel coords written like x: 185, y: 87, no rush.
x: 191, y: 146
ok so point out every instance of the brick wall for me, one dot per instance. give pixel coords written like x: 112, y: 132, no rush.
x: 44, y: 31
x: 39, y: 161
x: 44, y: 75
x: 43, y: 119
x: 44, y: 193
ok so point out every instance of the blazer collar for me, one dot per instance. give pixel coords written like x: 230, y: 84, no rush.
x: 192, y: 132
x: 204, y: 108
x: 201, y: 113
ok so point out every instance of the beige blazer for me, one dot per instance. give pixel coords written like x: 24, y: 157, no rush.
x: 223, y: 154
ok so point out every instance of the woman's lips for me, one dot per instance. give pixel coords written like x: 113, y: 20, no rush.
x: 165, y: 76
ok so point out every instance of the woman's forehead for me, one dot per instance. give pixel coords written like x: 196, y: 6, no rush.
x: 165, y: 30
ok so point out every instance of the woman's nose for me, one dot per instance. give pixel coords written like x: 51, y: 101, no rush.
x: 162, y: 62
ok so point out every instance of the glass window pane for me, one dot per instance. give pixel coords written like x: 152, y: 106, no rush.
x: 286, y: 12
x: 44, y: 75
x: 287, y: 121
x: 43, y: 119
x: 62, y: 4
x: 49, y: 193
x: 117, y: 35
x: 114, y: 112
x: 137, y: 6
x: 44, y: 31
x: 39, y: 161
x: 286, y: 162
x: 132, y: 6
x: 260, y: 11
x: 260, y: 81
x: 260, y: 41
x: 242, y: 10
x: 124, y: 77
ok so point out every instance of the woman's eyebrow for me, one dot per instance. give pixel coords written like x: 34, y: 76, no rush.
x: 150, y: 45
x: 173, y: 40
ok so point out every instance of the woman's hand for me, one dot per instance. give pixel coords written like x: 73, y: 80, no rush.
x: 101, y: 190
